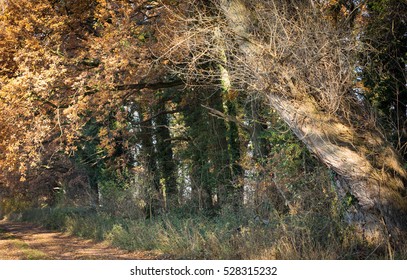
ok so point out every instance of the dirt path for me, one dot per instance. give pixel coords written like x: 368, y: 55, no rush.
x: 24, y: 241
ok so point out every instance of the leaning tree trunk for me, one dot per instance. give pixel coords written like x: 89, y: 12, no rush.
x: 302, y: 66
x: 370, y: 176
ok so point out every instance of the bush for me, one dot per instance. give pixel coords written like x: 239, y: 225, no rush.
x: 13, y: 205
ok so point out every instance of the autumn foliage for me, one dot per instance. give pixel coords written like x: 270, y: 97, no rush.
x: 141, y: 107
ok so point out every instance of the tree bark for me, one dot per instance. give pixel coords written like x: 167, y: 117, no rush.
x: 218, y: 152
x: 148, y: 157
x: 202, y: 187
x: 166, y: 164
x: 370, y: 175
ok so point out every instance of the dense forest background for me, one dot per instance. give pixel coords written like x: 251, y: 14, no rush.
x: 208, y: 129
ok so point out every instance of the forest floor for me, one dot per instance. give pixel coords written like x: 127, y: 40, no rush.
x: 25, y: 241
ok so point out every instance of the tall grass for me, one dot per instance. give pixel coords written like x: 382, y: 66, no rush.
x: 226, y: 236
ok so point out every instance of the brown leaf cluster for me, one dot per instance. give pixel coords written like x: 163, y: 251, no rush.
x: 61, y: 64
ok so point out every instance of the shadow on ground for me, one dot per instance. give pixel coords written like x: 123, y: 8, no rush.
x: 24, y: 241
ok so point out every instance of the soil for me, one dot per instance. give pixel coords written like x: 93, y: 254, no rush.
x: 24, y: 241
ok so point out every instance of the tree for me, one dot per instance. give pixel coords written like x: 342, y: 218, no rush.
x: 384, y: 66
x: 67, y: 66
x: 165, y: 158
x: 80, y: 78
x: 303, y: 64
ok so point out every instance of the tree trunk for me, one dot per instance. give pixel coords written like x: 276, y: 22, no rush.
x: 331, y: 122
x: 258, y: 126
x: 202, y: 187
x: 148, y: 157
x: 235, y: 156
x: 166, y: 164
x: 218, y: 151
x: 370, y: 175
x: 235, y: 190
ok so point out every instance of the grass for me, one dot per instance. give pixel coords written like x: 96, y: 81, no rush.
x: 4, y: 235
x: 226, y: 236
x: 25, y: 251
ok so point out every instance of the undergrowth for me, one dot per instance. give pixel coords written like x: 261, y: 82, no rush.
x: 226, y: 236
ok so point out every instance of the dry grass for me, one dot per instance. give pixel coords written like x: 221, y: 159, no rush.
x: 232, y: 236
